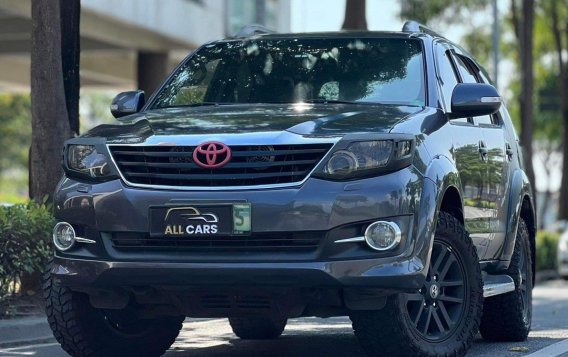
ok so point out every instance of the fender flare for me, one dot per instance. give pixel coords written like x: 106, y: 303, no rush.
x: 440, y: 175
x: 445, y: 175
x: 520, y: 189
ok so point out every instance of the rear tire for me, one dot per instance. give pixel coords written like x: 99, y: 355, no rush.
x: 257, y: 328
x: 508, y: 317
x: 85, y: 331
x: 440, y: 321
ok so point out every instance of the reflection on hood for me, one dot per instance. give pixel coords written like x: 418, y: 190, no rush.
x: 299, y: 118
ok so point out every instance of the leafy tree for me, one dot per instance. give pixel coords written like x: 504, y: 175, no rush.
x: 447, y: 11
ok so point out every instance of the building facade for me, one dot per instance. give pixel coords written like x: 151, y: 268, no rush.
x: 133, y: 43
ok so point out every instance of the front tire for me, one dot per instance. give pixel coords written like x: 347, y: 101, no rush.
x: 257, y: 328
x: 508, y: 317
x: 442, y: 318
x: 85, y: 331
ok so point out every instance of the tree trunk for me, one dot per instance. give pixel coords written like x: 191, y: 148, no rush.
x: 523, y: 27
x: 355, y: 18
x: 563, y: 202
x: 70, y: 53
x: 50, y: 124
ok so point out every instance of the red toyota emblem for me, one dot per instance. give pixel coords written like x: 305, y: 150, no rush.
x: 211, y: 155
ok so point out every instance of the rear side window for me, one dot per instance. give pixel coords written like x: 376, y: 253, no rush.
x: 466, y: 73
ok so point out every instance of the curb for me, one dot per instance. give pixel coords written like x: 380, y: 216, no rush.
x: 24, y: 330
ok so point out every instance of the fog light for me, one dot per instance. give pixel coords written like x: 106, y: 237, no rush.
x: 63, y: 236
x: 382, y: 235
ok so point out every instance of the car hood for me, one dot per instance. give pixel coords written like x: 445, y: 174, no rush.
x: 302, y: 119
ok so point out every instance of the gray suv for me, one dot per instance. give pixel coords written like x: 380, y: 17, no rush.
x: 372, y: 175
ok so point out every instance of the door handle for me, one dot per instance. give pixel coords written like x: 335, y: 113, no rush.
x: 509, y: 151
x: 483, y: 150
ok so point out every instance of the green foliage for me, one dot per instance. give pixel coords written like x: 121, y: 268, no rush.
x: 25, y: 242
x: 450, y: 11
x: 15, y: 139
x: 546, y: 250
x: 477, y: 41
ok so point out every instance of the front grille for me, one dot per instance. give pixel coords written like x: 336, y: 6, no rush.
x: 303, y: 241
x: 249, y: 165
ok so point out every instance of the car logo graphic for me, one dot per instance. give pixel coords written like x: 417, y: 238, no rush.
x: 193, y: 214
x: 212, y: 155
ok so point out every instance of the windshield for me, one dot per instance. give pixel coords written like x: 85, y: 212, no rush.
x: 376, y: 70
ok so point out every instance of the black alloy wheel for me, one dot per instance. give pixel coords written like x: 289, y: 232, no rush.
x: 438, y: 306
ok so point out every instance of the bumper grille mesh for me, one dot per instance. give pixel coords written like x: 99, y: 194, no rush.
x: 304, y: 241
x: 249, y: 165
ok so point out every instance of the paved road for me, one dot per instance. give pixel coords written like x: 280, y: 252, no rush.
x: 333, y: 337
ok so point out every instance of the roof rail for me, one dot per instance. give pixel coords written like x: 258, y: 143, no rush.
x: 252, y: 30
x: 414, y: 26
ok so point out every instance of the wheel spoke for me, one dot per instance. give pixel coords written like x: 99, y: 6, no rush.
x: 451, y: 283
x: 451, y: 260
x: 445, y: 314
x: 451, y: 299
x: 439, y: 260
x: 438, y: 321
x: 428, y: 319
x: 418, y: 315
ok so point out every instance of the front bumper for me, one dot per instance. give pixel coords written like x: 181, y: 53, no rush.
x: 391, y: 274
x: 338, y: 209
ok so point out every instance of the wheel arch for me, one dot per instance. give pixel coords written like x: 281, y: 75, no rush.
x: 441, y: 192
x: 447, y: 180
x: 521, y: 205
x: 452, y: 203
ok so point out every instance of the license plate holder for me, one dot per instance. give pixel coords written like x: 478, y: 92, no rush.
x: 200, y: 220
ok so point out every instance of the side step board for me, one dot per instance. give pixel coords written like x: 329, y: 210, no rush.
x: 497, y: 284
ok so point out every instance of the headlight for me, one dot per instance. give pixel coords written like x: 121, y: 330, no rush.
x: 366, y: 158
x: 86, y: 160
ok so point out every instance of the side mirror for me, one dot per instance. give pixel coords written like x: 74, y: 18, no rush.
x: 474, y: 99
x: 127, y: 103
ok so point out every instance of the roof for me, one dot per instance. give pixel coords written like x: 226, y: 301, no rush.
x: 410, y: 29
x: 330, y: 35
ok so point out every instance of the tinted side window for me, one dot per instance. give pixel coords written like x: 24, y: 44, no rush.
x: 447, y: 75
x: 448, y: 78
x: 466, y: 73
